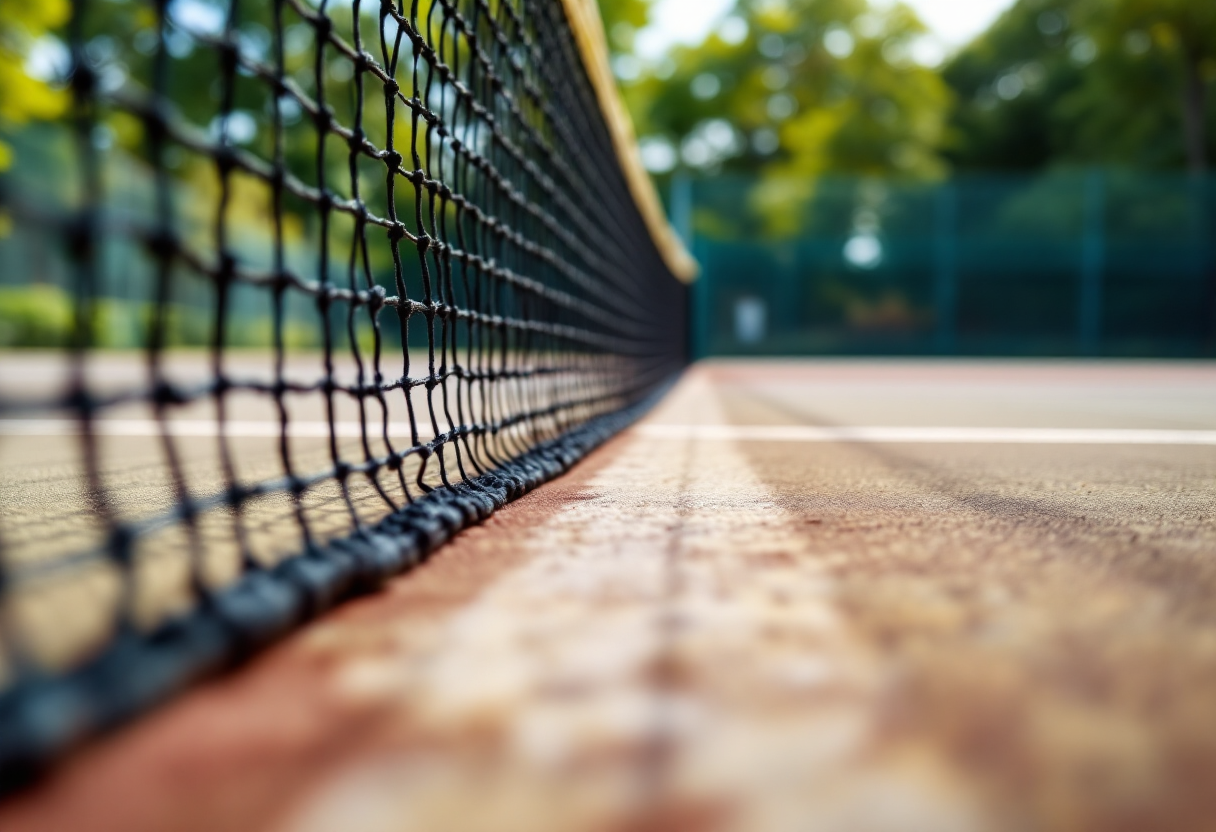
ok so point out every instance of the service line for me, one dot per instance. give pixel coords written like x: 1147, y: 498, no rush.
x: 943, y: 435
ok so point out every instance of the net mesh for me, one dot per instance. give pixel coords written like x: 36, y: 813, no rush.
x: 383, y: 271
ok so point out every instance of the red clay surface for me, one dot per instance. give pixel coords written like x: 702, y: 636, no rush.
x: 717, y: 635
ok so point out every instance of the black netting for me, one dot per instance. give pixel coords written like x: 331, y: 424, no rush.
x: 343, y: 278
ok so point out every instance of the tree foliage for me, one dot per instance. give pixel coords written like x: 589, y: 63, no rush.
x: 797, y: 87
x: 25, y: 95
x: 790, y: 88
x: 622, y: 20
x: 1122, y: 82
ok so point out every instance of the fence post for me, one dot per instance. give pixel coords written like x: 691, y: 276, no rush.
x: 1203, y: 197
x: 1093, y: 252
x: 945, y: 282
x: 680, y: 201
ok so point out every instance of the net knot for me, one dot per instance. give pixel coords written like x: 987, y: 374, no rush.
x: 225, y: 159
x: 227, y: 267
x: 121, y: 542
x: 79, y: 400
x: 392, y: 159
x: 80, y: 237
x: 423, y: 242
x: 396, y: 232
x: 84, y: 78
x: 156, y: 122
x: 229, y: 55
x: 236, y: 494
x: 391, y: 88
x: 161, y: 243
x: 165, y: 393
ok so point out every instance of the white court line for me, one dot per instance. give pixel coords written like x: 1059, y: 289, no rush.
x: 1016, y: 436
x: 236, y: 429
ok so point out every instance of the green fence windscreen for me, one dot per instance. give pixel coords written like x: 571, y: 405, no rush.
x: 1074, y: 263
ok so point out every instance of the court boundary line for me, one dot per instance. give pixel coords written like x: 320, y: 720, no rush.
x: 929, y: 435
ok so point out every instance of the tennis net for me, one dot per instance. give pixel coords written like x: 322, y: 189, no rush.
x: 336, y: 280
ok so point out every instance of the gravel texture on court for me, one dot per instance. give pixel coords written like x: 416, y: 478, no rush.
x: 716, y: 635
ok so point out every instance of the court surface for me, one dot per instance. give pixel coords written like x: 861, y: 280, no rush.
x: 829, y: 595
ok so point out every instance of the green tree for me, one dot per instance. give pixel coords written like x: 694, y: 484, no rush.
x: 797, y: 88
x: 1008, y: 84
x: 1180, y: 37
x: 23, y: 96
x: 789, y: 90
x: 622, y: 20
x: 1122, y: 82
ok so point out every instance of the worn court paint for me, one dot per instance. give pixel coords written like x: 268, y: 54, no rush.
x: 670, y: 659
x: 944, y: 435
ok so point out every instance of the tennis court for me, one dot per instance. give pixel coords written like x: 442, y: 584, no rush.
x: 362, y: 465
x: 731, y: 618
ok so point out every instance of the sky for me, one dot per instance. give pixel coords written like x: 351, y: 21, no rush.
x: 952, y: 22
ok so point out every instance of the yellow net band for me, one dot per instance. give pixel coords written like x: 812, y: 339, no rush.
x: 588, y: 30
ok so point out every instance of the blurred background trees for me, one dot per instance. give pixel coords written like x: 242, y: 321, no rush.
x: 788, y: 88
x: 808, y: 86
x: 841, y: 160
x: 799, y: 87
x: 1113, y: 82
x: 25, y: 66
